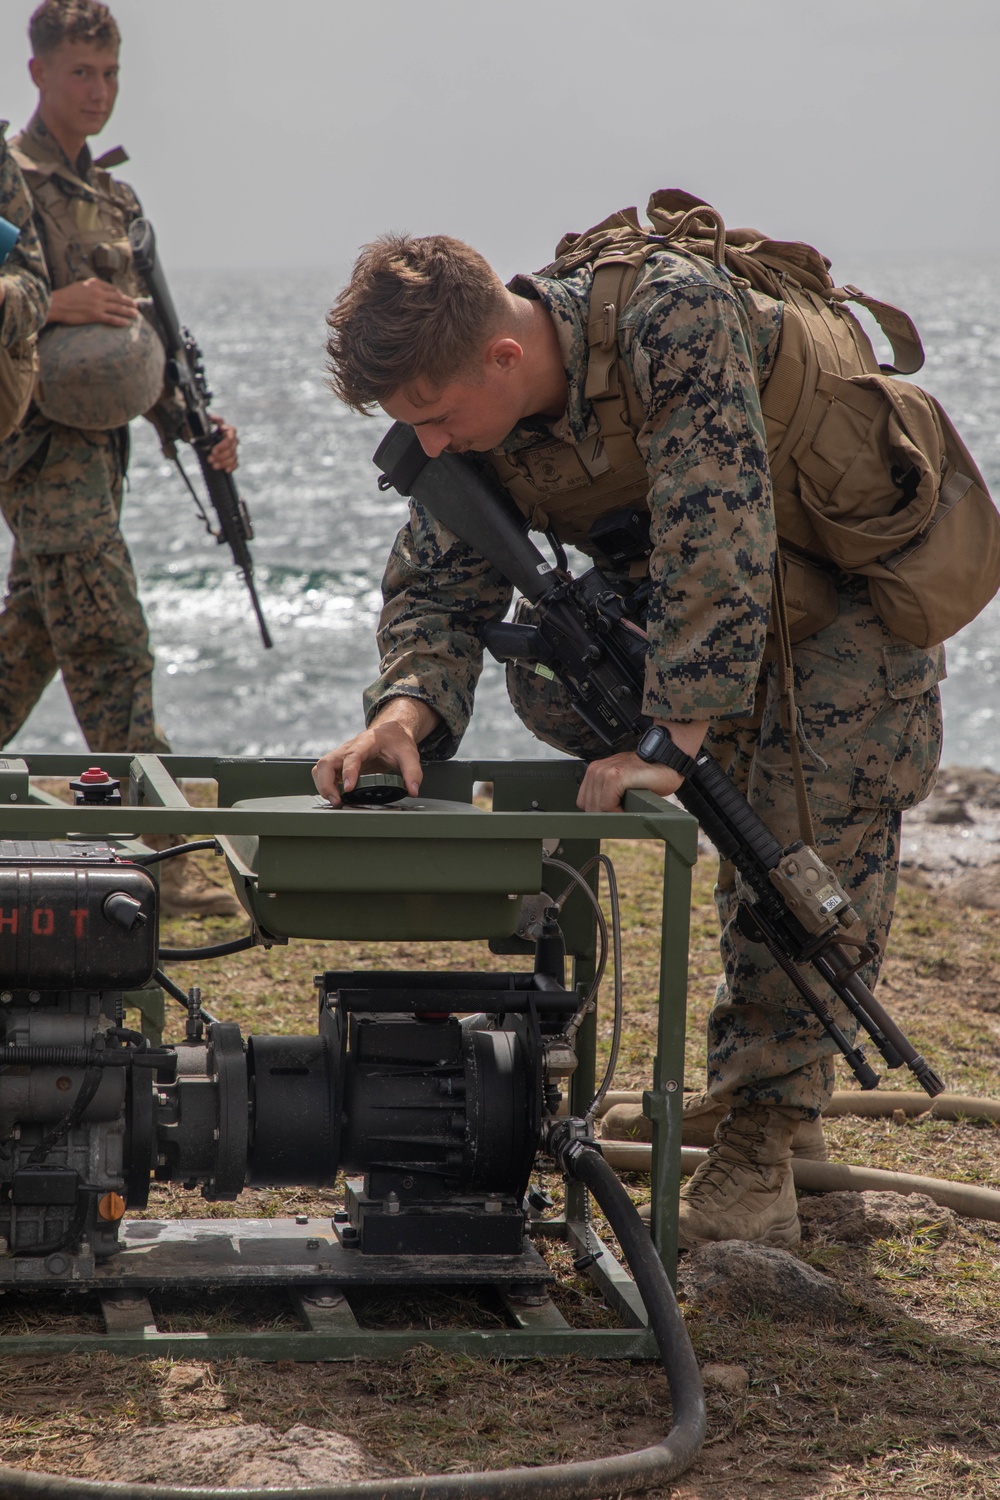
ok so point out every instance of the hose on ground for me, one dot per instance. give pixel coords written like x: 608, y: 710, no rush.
x: 833, y: 1177
x: 623, y: 1474
x: 872, y: 1105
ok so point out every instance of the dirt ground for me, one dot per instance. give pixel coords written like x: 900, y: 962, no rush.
x: 898, y: 1398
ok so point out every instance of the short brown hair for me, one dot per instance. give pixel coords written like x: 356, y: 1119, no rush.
x: 414, y: 309
x: 58, y: 21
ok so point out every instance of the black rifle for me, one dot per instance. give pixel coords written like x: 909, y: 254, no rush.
x: 584, y: 637
x: 186, y: 370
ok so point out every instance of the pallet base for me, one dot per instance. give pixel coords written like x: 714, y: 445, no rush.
x: 304, y: 1259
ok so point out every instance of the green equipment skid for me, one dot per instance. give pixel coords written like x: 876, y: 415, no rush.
x: 437, y: 867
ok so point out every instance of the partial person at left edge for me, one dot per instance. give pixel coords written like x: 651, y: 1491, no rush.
x: 72, y: 604
x: 24, y: 293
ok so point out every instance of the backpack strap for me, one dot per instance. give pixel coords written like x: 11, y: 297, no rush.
x: 609, y: 387
x: 898, y: 327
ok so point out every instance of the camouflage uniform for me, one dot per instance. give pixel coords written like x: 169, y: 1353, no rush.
x: 699, y: 348
x: 71, y: 602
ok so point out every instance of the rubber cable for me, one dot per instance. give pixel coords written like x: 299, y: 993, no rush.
x: 213, y: 950
x: 173, y: 852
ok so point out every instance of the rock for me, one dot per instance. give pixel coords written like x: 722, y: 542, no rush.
x: 181, y: 1377
x: 973, y: 784
x: 233, y: 1456
x: 947, y: 810
x: 979, y: 888
x: 731, y: 1379
x: 734, y: 1278
x: 853, y: 1218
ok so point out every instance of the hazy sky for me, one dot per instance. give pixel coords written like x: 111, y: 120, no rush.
x: 269, y: 134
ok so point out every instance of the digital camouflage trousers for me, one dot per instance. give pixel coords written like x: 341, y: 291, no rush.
x: 870, y: 736
x: 71, y: 604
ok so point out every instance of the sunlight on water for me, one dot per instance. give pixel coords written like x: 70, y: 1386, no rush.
x: 324, y: 530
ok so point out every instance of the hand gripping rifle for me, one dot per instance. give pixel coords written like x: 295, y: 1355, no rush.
x: 583, y: 637
x: 186, y: 369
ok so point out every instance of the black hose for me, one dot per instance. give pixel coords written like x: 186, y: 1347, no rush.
x: 173, y: 852
x: 213, y: 950
x: 621, y: 1475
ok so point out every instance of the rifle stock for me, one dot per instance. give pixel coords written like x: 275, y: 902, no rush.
x: 186, y: 369
x: 585, y: 639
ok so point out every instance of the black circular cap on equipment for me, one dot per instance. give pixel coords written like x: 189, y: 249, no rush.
x: 376, y: 790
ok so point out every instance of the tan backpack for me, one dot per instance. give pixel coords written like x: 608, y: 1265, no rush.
x: 868, y: 470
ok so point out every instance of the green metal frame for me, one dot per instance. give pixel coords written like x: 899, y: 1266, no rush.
x: 308, y: 855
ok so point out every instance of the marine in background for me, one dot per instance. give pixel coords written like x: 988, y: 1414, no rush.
x: 24, y: 294
x: 523, y: 375
x: 72, y: 604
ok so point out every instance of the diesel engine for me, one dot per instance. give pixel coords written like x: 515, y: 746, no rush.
x: 434, y: 1119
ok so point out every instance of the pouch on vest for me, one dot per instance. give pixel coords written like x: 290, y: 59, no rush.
x: 18, y: 365
x: 891, y: 491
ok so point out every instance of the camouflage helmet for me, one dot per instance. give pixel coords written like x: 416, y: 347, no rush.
x: 96, y: 376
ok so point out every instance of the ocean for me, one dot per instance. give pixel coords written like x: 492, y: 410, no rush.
x: 323, y: 529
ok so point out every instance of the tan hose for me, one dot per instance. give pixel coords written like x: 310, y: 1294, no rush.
x: 870, y: 1105
x: 831, y: 1177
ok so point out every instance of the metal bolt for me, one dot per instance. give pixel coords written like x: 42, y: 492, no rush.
x: 302, y: 1218
x: 34, y: 997
x: 407, y: 1182
x: 671, y: 1085
x: 7, y: 996
x: 163, y: 1100
x: 493, y: 1204
x: 312, y: 1244
x: 534, y: 805
x: 392, y: 1203
x: 161, y: 1160
x: 215, y: 1134
x: 13, y: 796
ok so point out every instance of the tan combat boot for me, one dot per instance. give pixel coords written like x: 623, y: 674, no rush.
x: 185, y: 889
x: 744, y: 1191
x: 701, y: 1118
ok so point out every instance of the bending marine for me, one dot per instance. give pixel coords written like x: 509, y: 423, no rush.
x: 525, y: 375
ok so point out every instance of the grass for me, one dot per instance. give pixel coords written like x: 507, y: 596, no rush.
x: 901, y: 1401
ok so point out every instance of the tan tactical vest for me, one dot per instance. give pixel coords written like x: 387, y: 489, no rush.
x: 85, y: 223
